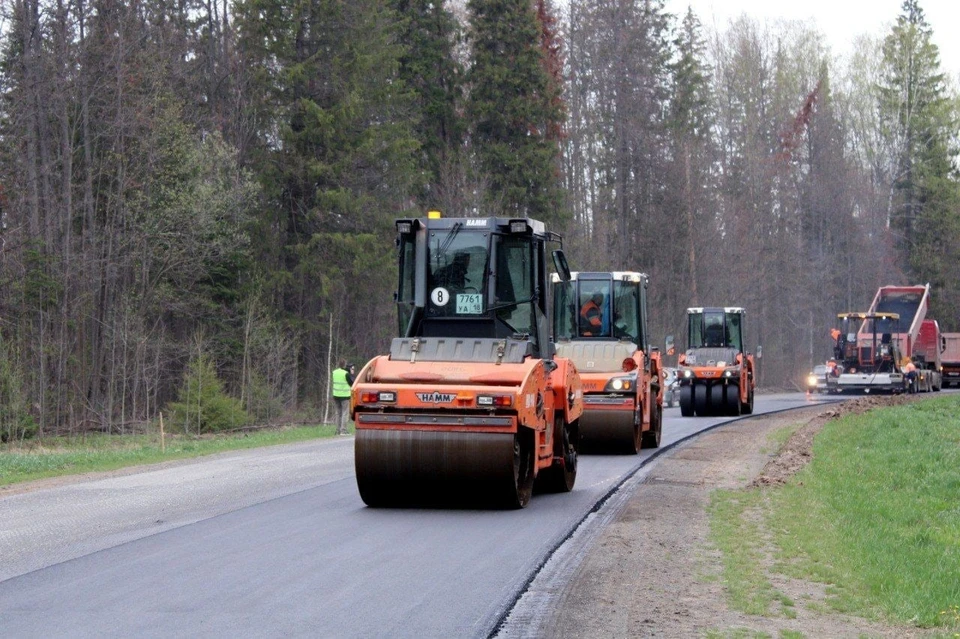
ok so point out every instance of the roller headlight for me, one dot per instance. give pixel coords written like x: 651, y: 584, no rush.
x: 688, y: 374
x: 620, y: 384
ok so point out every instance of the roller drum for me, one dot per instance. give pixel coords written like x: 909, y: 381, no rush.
x: 411, y: 467
x: 609, y: 431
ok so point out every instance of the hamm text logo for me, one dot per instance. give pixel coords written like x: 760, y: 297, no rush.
x: 436, y: 398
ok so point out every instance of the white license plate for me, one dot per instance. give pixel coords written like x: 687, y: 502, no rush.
x: 469, y: 304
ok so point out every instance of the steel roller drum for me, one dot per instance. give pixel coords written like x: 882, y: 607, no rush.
x: 414, y: 467
x: 608, y: 431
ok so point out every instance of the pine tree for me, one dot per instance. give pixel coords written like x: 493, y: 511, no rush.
x: 690, y: 121
x: 203, y: 405
x: 430, y: 69
x: 336, y: 156
x: 914, y: 112
x: 513, y: 110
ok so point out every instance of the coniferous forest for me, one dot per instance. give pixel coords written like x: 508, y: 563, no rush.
x: 198, y: 196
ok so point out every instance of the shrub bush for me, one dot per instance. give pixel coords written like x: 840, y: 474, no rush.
x: 203, y: 405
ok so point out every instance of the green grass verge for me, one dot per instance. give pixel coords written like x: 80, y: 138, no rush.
x: 875, y: 517
x: 737, y: 530
x: 59, y: 456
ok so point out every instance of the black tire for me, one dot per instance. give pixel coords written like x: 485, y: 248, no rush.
x: 521, y: 487
x: 732, y: 395
x: 636, y: 442
x: 747, y: 409
x: 700, y: 400
x: 686, y: 400
x: 717, y: 403
x: 651, y: 438
x: 562, y: 475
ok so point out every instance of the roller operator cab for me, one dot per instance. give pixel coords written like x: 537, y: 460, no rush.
x: 716, y: 373
x: 470, y: 405
x: 600, y: 323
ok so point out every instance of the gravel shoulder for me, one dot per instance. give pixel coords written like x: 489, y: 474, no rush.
x: 653, y: 571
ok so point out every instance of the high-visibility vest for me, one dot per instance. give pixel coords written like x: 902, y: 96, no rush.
x: 340, y: 386
x: 589, y: 318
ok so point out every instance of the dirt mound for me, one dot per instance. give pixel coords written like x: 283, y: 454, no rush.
x: 797, y: 452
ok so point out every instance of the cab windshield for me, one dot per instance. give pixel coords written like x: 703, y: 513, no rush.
x: 456, y: 270
x: 582, y: 309
x: 715, y: 329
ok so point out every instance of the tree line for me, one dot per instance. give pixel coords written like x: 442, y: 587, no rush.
x: 201, y: 194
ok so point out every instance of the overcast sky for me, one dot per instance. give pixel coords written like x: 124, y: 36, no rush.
x: 839, y: 20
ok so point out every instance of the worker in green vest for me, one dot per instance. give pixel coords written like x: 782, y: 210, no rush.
x: 342, y: 381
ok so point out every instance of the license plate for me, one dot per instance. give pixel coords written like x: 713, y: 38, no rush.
x: 469, y: 304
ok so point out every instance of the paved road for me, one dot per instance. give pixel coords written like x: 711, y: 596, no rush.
x: 276, y: 542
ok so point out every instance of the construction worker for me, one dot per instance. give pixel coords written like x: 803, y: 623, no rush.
x: 910, y: 373
x: 454, y: 274
x: 713, y: 333
x: 342, y: 381
x: 591, y: 316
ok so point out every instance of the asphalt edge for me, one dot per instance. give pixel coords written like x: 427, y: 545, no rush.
x: 536, y: 599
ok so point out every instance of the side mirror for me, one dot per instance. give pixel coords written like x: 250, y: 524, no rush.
x: 669, y: 344
x: 759, y: 352
x: 560, y: 263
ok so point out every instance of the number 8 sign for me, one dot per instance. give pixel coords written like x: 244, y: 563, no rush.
x: 440, y: 296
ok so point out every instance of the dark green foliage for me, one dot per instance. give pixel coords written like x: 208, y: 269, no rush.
x: 691, y: 100
x: 202, y: 405
x: 16, y: 422
x: 512, y: 110
x: 689, y: 124
x: 429, y: 68
x: 917, y: 120
x: 337, y: 147
x: 337, y: 154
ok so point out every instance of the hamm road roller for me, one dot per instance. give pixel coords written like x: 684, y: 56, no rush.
x: 716, y: 373
x: 600, y: 323
x: 471, y: 405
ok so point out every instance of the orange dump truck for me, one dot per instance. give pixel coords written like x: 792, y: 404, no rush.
x: 600, y: 323
x: 471, y: 405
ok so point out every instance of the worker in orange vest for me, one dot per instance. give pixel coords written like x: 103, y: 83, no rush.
x: 591, y: 316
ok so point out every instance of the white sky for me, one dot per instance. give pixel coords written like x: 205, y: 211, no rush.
x: 839, y: 20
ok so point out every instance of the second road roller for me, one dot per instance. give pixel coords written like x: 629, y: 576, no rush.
x: 600, y: 322
x: 471, y: 405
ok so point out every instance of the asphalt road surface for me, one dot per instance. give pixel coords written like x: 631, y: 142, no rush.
x: 276, y: 542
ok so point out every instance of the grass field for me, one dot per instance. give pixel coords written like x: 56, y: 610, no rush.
x: 58, y: 456
x: 875, y: 517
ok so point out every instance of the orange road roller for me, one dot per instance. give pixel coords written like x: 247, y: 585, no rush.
x: 600, y: 323
x: 471, y: 405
